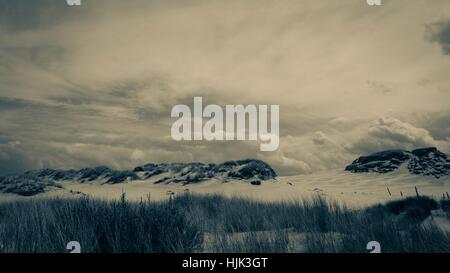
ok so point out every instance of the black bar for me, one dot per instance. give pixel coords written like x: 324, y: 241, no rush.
x: 174, y: 262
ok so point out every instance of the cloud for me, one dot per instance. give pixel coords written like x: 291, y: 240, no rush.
x: 320, y: 138
x: 31, y: 15
x: 391, y: 133
x: 12, y: 160
x: 439, y: 32
x: 288, y: 166
x: 94, y: 85
x: 437, y: 123
x: 137, y: 155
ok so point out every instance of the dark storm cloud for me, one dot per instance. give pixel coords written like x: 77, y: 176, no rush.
x: 439, y: 126
x: 13, y: 161
x: 22, y: 15
x: 94, y: 85
x: 440, y: 32
x: 12, y: 103
x: 391, y: 133
x: 437, y: 123
x: 43, y: 55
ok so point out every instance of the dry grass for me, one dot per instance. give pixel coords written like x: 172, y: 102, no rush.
x: 231, y: 225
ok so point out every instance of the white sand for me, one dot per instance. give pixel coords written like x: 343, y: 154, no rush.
x: 356, y: 190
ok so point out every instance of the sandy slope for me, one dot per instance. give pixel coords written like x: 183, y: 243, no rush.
x: 356, y: 190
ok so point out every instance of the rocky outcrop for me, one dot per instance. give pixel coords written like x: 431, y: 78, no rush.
x: 380, y: 162
x: 186, y: 173
x: 429, y: 161
x: 26, y: 184
x: 424, y: 161
x: 34, y: 182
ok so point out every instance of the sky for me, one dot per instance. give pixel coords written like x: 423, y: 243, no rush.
x: 91, y: 85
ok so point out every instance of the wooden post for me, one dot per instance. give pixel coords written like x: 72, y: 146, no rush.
x: 417, y: 191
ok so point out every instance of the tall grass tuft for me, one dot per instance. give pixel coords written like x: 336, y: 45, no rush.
x: 214, y: 223
x: 100, y: 226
